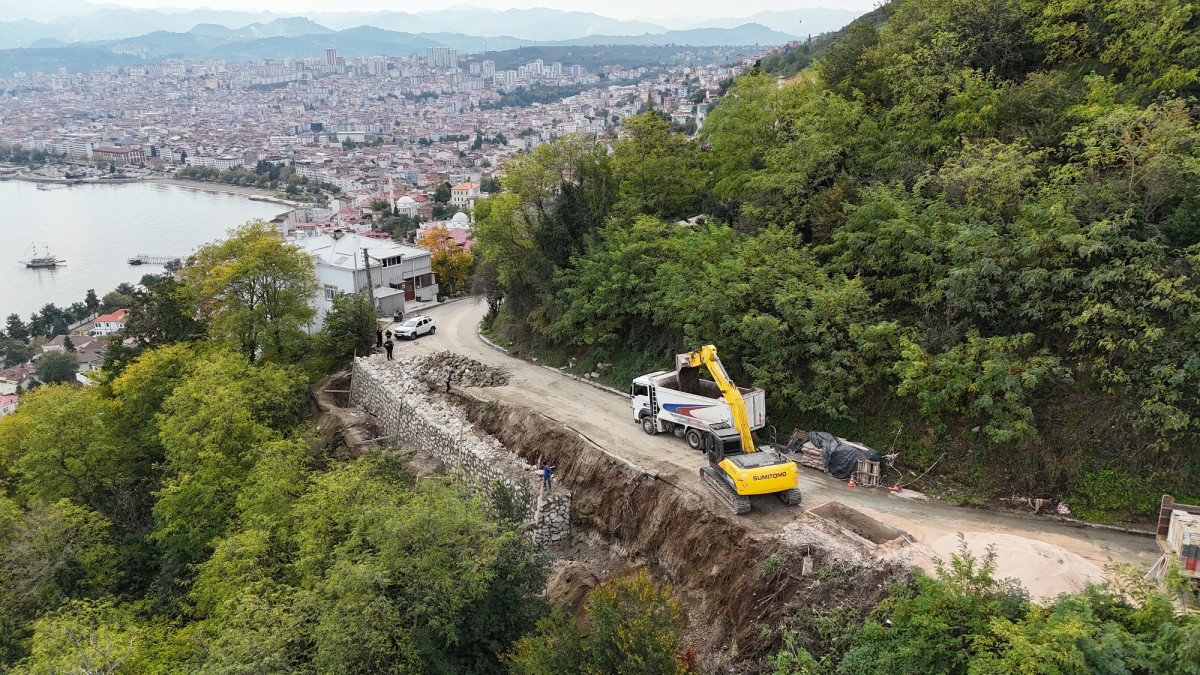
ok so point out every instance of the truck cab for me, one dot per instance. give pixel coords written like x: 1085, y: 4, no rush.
x: 639, y: 397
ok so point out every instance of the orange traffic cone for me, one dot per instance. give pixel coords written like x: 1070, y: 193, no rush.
x: 851, y: 483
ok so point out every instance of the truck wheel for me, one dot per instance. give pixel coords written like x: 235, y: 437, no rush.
x: 694, y: 440
x: 648, y: 425
x: 433, y: 330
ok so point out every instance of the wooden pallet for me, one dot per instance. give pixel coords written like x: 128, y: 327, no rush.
x: 868, y: 473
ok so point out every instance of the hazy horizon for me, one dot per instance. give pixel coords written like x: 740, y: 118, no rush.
x: 625, y: 10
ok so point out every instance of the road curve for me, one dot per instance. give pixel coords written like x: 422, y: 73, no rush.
x: 607, y: 420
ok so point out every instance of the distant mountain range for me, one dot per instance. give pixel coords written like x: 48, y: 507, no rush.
x: 32, y: 26
x: 298, y: 38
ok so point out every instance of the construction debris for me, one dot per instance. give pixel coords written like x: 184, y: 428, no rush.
x: 465, y: 372
x: 825, y: 452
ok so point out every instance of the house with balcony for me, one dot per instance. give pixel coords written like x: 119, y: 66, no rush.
x: 347, y: 262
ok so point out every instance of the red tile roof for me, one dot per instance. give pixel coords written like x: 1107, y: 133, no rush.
x: 116, y: 316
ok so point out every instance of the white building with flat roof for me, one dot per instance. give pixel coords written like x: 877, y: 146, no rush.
x: 397, y: 272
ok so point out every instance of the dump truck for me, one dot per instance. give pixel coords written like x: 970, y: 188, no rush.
x: 681, y: 403
x: 737, y: 469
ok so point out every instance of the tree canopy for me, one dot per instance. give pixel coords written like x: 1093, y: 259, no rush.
x: 975, y: 221
x: 254, y: 291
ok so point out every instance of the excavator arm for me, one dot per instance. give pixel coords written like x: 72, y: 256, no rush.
x: 707, y: 356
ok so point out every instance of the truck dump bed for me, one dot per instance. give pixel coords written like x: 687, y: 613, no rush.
x: 705, y: 393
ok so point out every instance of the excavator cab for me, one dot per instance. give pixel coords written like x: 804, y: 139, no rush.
x: 736, y: 469
x: 721, y: 443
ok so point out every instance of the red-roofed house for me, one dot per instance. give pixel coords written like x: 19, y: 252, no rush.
x: 109, y: 324
x: 463, y: 194
x: 8, y: 403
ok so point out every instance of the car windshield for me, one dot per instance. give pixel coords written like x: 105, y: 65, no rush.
x: 410, y: 323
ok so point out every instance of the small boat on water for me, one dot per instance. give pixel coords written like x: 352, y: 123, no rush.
x: 43, y: 260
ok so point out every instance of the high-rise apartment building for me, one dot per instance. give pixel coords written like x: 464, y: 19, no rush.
x: 442, y: 57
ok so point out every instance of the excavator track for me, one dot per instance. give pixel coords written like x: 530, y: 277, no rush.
x: 739, y: 504
x: 790, y: 497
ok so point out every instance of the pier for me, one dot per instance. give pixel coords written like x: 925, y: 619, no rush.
x: 147, y: 259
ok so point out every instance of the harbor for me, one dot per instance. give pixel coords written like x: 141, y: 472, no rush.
x: 98, y: 228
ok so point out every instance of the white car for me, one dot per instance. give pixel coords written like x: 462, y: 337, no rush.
x: 416, y: 326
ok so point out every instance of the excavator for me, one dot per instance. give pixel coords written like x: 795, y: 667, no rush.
x: 736, y: 468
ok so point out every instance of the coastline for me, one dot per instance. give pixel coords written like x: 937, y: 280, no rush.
x: 253, y: 193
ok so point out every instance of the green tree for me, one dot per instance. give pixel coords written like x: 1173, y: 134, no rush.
x: 49, y: 554
x: 656, y: 169
x: 88, y: 636
x: 933, y: 628
x: 212, y: 427
x: 64, y: 446
x: 56, y: 366
x: 441, y: 194
x: 630, y: 625
x: 14, y: 351
x: 115, y: 300
x: 255, y: 291
x: 15, y: 328
x: 349, y: 327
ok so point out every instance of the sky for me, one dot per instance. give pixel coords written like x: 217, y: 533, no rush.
x: 618, y: 9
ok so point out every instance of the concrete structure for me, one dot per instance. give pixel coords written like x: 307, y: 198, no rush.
x: 119, y: 156
x: 409, y: 416
x: 109, y: 324
x: 397, y: 272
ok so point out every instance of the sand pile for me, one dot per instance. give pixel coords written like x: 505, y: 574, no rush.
x: 1045, y: 570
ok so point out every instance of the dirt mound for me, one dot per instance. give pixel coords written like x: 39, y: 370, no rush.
x: 571, y: 581
x: 423, y: 465
x: 1044, y: 569
x: 467, y: 372
x: 730, y: 580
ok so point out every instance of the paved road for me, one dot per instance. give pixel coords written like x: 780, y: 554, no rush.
x: 606, y: 419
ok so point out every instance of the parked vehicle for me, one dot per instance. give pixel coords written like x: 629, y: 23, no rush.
x: 661, y: 403
x: 415, y: 327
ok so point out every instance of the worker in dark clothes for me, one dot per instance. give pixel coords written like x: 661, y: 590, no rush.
x: 547, y: 471
x: 378, y: 337
x: 388, y: 334
x: 448, y: 376
x: 388, y: 346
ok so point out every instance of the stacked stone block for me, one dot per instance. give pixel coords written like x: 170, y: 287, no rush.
x: 410, y: 415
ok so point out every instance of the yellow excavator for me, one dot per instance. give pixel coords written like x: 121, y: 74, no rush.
x: 736, y: 468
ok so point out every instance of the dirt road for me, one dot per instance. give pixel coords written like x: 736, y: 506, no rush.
x: 1048, y: 557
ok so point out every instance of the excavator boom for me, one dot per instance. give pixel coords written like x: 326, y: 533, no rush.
x: 707, y: 356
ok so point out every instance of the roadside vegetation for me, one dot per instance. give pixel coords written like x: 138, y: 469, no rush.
x: 965, y: 620
x: 975, y: 222
x: 185, y: 515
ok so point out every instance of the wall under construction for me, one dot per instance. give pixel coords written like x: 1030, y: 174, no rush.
x: 411, y: 414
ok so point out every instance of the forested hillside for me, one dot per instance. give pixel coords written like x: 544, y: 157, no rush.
x: 977, y: 221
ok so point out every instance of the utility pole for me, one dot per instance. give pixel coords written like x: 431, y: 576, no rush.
x: 370, y: 286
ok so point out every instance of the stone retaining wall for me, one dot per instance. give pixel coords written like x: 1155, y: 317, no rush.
x: 409, y: 414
